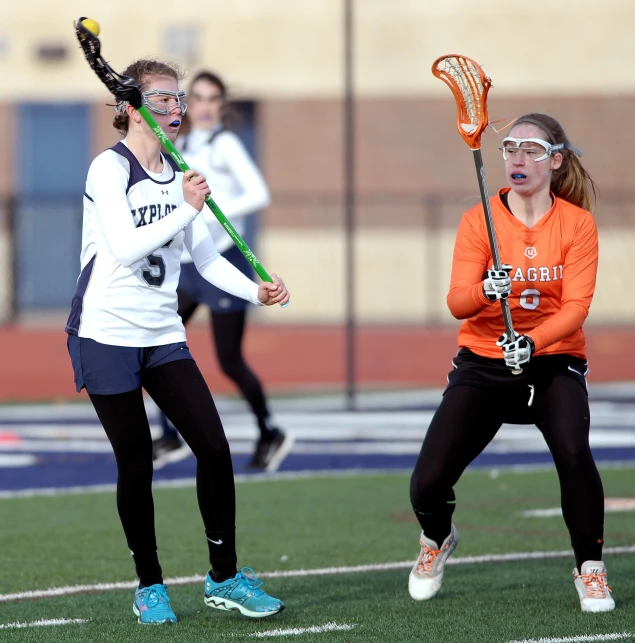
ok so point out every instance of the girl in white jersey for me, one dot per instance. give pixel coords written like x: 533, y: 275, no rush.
x: 124, y: 335
x: 240, y: 191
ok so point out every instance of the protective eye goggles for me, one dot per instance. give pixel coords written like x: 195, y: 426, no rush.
x: 159, y: 101
x: 163, y: 102
x: 510, y: 150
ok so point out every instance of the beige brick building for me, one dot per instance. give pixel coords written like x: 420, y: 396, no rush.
x: 414, y: 175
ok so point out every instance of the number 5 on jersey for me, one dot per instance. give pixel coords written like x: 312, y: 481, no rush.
x: 155, y: 274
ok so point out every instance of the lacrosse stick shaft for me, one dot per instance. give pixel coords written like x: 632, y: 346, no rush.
x: 493, y: 243
x: 211, y: 204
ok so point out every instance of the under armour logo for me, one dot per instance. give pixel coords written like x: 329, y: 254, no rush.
x: 530, y: 252
x: 166, y: 192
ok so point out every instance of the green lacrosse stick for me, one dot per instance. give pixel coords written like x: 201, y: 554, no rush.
x: 125, y: 88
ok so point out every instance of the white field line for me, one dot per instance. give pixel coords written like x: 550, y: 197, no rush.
x: 580, y: 639
x: 314, y: 629
x: 43, y: 623
x: 611, y: 505
x: 10, y: 460
x: 294, y: 573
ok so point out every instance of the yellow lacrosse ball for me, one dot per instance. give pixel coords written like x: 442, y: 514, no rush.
x: 91, y: 25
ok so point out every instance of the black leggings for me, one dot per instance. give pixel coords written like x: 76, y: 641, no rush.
x: 227, y: 333
x: 179, y: 390
x: 467, y: 420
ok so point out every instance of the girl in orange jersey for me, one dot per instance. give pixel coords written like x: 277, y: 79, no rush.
x: 549, y: 240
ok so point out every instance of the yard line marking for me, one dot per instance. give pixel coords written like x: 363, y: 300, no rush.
x: 580, y: 639
x: 295, y: 573
x: 43, y: 623
x: 459, y: 560
x: 16, y: 460
x: 542, y: 513
x: 72, y: 589
x: 315, y: 629
x: 610, y: 505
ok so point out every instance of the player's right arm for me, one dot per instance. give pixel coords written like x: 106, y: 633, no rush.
x: 106, y: 187
x: 466, y: 297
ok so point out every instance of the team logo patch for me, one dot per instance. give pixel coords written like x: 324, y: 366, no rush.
x: 530, y: 252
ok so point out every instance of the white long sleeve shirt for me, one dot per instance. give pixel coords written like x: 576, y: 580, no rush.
x: 236, y: 184
x: 135, y: 227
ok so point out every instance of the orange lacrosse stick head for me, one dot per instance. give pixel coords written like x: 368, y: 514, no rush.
x: 469, y: 85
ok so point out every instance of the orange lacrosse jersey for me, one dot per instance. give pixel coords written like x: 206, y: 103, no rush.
x: 554, y: 267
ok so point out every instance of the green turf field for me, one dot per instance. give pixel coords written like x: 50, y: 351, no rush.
x: 312, y: 524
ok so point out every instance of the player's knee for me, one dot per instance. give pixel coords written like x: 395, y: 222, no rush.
x: 431, y: 482
x: 572, y: 454
x: 136, y: 471
x: 425, y: 490
x: 232, y: 366
x: 213, y: 448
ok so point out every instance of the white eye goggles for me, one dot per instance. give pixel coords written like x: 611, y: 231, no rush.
x: 549, y: 148
x: 159, y: 101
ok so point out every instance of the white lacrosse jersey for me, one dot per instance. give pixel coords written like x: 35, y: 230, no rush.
x: 134, y: 227
x: 236, y: 184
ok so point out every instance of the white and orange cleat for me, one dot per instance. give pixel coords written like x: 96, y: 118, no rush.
x: 593, y: 590
x: 427, y: 574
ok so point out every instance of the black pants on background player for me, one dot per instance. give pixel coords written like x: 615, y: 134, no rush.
x: 228, y: 321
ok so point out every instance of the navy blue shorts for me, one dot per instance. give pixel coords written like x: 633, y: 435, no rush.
x: 200, y: 290
x: 103, y: 369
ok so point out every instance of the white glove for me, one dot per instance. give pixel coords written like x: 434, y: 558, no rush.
x: 517, y: 353
x: 498, y: 284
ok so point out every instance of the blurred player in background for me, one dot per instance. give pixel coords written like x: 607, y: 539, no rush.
x: 549, y: 239
x: 124, y: 335
x: 240, y: 191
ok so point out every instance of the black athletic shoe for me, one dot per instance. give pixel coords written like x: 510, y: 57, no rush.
x: 168, y: 449
x: 271, y: 450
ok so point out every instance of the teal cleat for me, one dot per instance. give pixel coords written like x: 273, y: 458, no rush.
x: 241, y: 593
x: 152, y: 605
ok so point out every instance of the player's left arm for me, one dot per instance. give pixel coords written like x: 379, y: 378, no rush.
x: 578, y: 286
x: 224, y: 275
